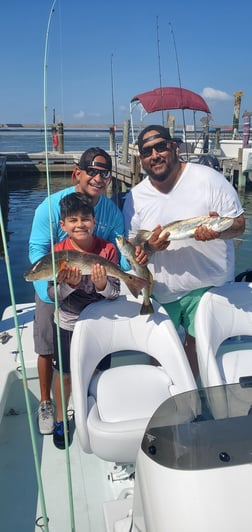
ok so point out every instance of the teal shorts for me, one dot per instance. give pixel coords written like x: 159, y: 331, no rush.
x: 182, y: 311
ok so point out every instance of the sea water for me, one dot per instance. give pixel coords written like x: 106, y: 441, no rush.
x: 33, y: 142
x: 26, y: 194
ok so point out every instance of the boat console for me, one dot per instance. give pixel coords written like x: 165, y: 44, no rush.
x: 194, y: 468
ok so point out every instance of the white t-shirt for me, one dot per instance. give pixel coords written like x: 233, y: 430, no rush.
x: 186, y: 264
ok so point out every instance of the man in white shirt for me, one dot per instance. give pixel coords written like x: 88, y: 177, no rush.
x: 174, y: 190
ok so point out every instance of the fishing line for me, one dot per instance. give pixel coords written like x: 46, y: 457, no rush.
x: 69, y: 481
x: 24, y: 376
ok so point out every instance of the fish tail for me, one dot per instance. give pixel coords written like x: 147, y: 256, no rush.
x: 135, y: 284
x: 146, y: 308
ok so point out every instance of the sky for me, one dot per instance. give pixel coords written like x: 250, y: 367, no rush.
x: 95, y: 56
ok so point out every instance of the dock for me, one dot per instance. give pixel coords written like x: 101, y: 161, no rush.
x: 126, y: 166
x: 125, y: 171
x: 24, y: 165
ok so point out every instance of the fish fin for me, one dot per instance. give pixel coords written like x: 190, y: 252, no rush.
x: 135, y: 284
x: 62, y: 265
x: 146, y: 309
x: 141, y: 236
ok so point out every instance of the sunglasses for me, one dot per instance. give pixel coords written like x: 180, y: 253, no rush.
x: 159, y: 147
x: 92, y: 172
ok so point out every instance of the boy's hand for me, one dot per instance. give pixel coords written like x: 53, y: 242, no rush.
x: 99, y: 277
x: 71, y: 276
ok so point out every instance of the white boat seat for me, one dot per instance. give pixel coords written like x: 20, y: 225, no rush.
x: 120, y: 408
x: 224, y: 313
x: 113, y: 409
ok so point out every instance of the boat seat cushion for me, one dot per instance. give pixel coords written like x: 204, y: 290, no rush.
x: 132, y: 392
x: 234, y: 364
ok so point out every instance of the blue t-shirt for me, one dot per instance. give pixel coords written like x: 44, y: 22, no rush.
x: 109, y: 224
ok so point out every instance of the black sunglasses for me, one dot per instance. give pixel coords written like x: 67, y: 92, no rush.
x: 159, y: 147
x: 92, y: 172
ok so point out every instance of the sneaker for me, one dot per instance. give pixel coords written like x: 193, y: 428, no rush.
x: 58, y: 435
x: 46, y: 417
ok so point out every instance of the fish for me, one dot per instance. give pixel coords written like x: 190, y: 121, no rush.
x: 183, y: 229
x: 128, y: 250
x: 43, y: 268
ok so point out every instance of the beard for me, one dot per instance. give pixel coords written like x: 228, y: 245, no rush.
x: 162, y: 175
x: 158, y: 177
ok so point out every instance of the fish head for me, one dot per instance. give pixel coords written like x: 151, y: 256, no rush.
x: 42, y: 269
x: 120, y: 240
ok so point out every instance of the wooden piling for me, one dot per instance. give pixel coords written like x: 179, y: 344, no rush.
x: 112, y: 146
x: 217, y: 138
x: 241, y: 177
x: 125, y: 146
x: 61, y: 137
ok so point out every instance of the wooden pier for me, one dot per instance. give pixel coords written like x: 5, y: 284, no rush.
x: 22, y: 164
x: 126, y: 167
x: 126, y: 172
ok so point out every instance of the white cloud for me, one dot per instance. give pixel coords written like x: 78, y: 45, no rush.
x: 80, y: 114
x: 214, y: 94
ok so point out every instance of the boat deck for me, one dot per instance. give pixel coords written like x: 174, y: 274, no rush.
x: 91, y: 478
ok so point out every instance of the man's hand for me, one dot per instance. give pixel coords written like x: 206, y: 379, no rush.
x: 157, y: 243
x: 141, y: 256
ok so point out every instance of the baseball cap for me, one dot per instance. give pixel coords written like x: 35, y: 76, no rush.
x: 162, y: 132
x: 89, y: 155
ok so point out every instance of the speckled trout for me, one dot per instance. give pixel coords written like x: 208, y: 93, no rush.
x: 43, y: 269
x: 186, y: 228
x: 128, y: 250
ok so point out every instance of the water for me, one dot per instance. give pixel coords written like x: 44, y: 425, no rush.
x: 24, y: 196
x: 35, y: 141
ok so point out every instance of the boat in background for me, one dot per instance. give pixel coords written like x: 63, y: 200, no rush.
x: 196, y: 146
x: 171, y: 98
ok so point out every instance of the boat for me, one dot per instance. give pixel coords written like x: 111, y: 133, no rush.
x: 174, y: 98
x: 150, y: 451
x: 223, y: 154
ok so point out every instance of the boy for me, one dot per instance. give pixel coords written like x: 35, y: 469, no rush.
x: 75, y: 291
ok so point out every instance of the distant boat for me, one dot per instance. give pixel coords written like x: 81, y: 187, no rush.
x: 166, y: 99
x: 176, y: 98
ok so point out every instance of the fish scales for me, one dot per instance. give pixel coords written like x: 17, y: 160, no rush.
x: 183, y: 229
x: 43, y: 268
x: 128, y: 250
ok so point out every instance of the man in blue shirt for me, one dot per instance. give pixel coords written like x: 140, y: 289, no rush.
x: 92, y: 175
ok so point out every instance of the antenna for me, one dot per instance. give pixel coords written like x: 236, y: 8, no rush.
x: 159, y: 68
x: 179, y: 78
x: 114, y: 124
x: 176, y: 54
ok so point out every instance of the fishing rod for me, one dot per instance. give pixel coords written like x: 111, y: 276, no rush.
x: 70, y: 490
x: 114, y: 127
x: 24, y: 377
x: 41, y: 521
x: 159, y: 69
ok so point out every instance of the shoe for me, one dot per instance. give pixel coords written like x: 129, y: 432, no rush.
x: 46, y: 417
x: 58, y: 435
